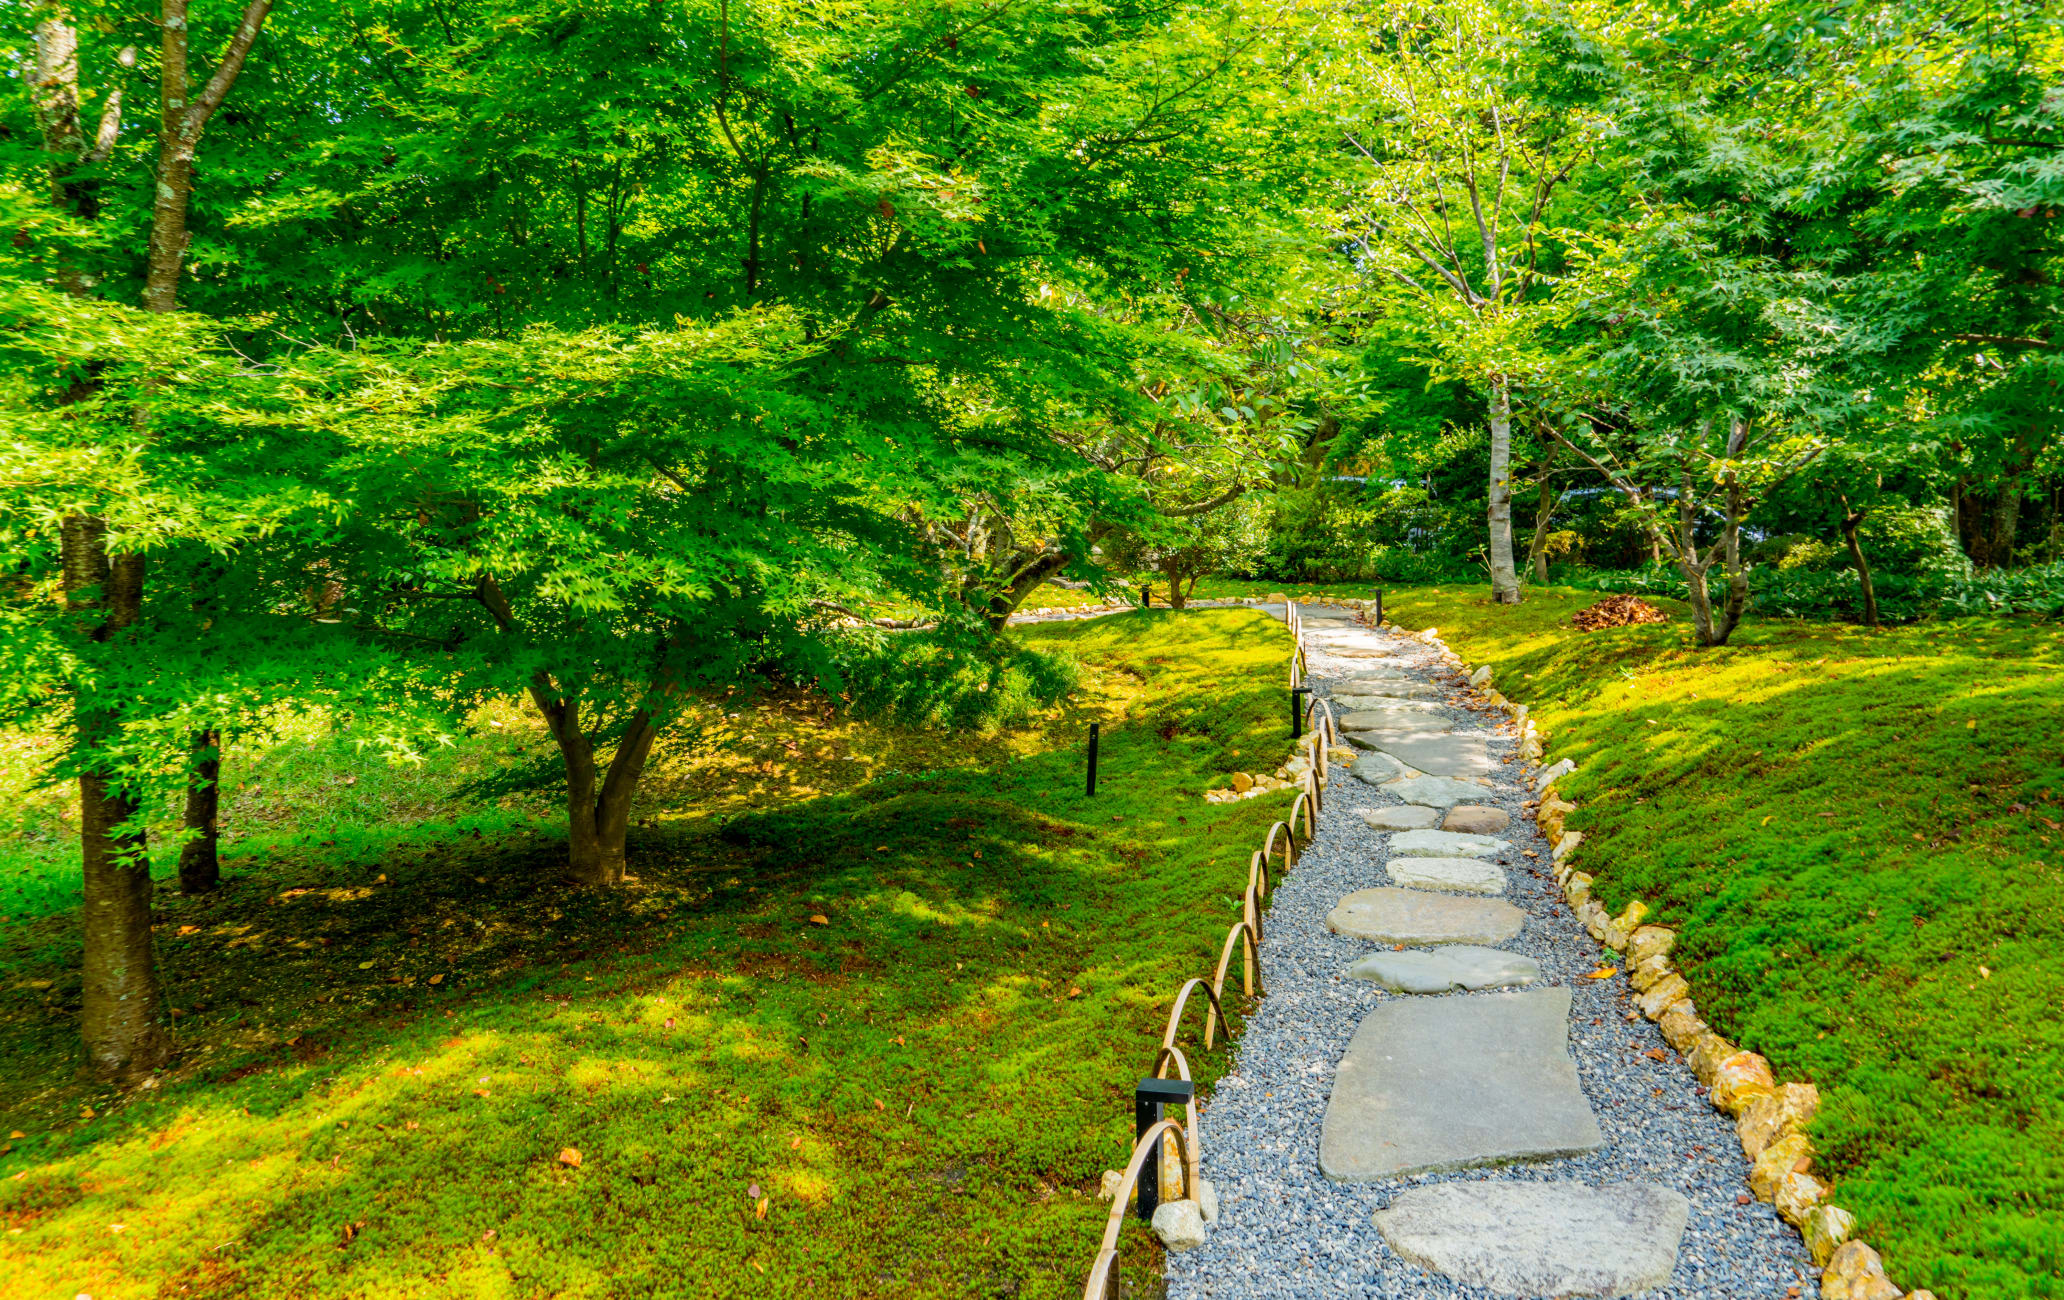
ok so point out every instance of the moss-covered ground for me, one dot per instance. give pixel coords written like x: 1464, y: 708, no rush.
x: 866, y: 1023
x: 1861, y: 836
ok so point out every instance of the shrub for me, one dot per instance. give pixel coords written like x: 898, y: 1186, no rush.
x: 950, y: 679
x: 1836, y: 593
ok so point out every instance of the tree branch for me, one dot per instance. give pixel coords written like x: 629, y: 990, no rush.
x: 204, y: 105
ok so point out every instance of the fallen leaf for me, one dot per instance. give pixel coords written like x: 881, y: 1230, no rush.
x: 796, y: 1145
x: 899, y: 1040
x: 1972, y: 725
x: 1742, y: 1198
x: 86, y: 1112
x: 1766, y: 820
x: 1655, y: 1054
x: 365, y: 965
x: 437, y: 979
x: 819, y: 918
x: 17, y: 1134
x: 760, y: 1211
x: 569, y: 1157
x: 1985, y: 972
x: 1603, y: 973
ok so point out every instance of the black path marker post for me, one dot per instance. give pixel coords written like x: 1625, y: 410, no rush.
x: 1379, y: 607
x: 1297, y: 710
x: 1147, y: 1101
x: 1092, y: 757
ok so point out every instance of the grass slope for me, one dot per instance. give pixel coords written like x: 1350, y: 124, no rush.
x: 1861, y: 835
x: 387, y: 1039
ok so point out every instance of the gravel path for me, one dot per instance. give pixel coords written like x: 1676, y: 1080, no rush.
x: 1286, y: 1230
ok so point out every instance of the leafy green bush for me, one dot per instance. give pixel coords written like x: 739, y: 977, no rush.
x: 1337, y: 534
x: 1836, y: 594
x: 953, y: 680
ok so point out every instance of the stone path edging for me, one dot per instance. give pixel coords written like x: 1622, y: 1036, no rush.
x: 1286, y: 1230
x: 1770, y: 1117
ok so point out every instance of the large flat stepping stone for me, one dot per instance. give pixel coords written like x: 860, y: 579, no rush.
x: 1435, y: 791
x: 1349, y: 702
x: 1449, y: 844
x: 1378, y: 769
x: 1443, y: 969
x: 1384, y: 689
x: 1408, y: 817
x: 1477, y: 820
x: 1456, y: 875
x: 1541, y: 1239
x: 1441, y: 755
x: 1414, y: 917
x: 1414, y: 724
x: 1452, y: 1083
x: 1348, y: 650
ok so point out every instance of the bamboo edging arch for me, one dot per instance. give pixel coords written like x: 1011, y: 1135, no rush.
x: 1148, y: 1147
x: 1246, y: 935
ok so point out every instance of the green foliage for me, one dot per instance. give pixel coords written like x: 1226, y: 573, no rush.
x: 1801, y: 592
x: 1858, y: 836
x: 933, y: 679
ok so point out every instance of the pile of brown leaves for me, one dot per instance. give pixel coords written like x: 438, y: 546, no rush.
x: 1617, y: 611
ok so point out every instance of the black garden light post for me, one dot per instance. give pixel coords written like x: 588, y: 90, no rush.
x: 1297, y: 710
x: 1147, y: 1101
x: 1092, y: 757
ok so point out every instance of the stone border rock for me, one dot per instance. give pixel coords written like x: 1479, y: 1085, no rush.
x: 1770, y: 1118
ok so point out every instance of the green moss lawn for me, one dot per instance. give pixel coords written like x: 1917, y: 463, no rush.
x: 393, y: 1020
x: 1861, y: 835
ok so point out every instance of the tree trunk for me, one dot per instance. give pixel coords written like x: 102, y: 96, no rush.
x: 123, y: 1016
x: 1694, y: 569
x: 1852, y: 520
x: 598, y: 812
x: 1504, y: 577
x: 200, y: 868
x: 1177, y: 598
x: 1544, y: 515
x: 1737, y: 574
x: 1028, y: 579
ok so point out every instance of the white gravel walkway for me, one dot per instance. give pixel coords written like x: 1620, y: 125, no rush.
x: 1286, y: 1230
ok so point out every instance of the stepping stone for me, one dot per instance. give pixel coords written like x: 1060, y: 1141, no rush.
x: 1460, y: 967
x: 1343, y: 650
x: 1353, y: 703
x: 1477, y: 820
x: 1541, y: 1239
x: 1414, y: 917
x: 1367, y: 695
x: 1376, y: 769
x: 1435, y: 791
x: 1455, y: 875
x: 1407, y: 817
x: 1442, y: 755
x: 1417, y: 724
x: 1453, y: 1083
x: 1447, y: 843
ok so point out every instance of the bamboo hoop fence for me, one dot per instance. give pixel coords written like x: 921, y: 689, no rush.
x: 1245, y: 935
